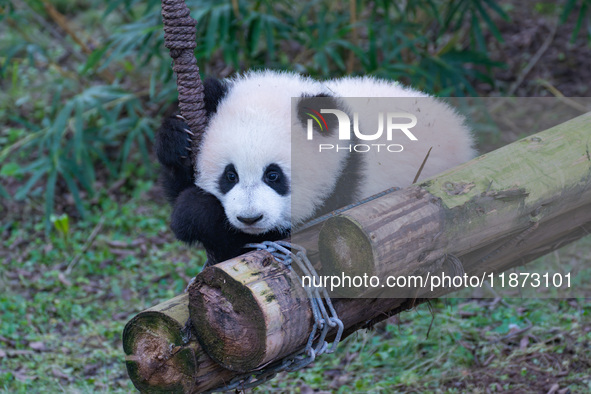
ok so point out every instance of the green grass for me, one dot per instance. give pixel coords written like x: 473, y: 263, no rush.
x: 61, y: 331
x: 464, y: 351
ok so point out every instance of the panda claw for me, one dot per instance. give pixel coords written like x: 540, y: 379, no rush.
x: 189, y: 149
x: 189, y: 132
x: 181, y: 117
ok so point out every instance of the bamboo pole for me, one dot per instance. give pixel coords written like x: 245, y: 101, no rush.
x: 492, y: 213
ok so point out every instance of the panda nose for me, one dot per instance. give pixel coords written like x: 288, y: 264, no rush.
x: 250, y: 220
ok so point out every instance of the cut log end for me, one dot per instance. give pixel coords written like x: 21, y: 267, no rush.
x: 230, y: 324
x: 241, y: 310
x: 345, y: 248
x: 157, y: 359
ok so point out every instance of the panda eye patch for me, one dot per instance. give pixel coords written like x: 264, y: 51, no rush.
x: 228, y: 179
x: 275, y: 178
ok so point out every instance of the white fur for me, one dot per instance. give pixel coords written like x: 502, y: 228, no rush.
x: 439, y: 127
x: 252, y: 128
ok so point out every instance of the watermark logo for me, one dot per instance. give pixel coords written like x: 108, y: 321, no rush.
x: 315, y: 116
x: 394, y: 121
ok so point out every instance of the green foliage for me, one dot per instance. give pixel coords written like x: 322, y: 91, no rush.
x: 582, y: 11
x: 82, y: 95
x: 386, y: 39
x: 76, y: 115
x: 62, y: 225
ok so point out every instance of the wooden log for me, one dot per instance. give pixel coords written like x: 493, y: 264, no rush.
x: 490, y: 221
x: 147, y: 337
x: 356, y: 313
x: 364, y: 312
x: 465, y: 210
x: 156, y: 362
x: 383, y: 238
x: 246, y: 325
x: 150, y: 338
x: 161, y: 355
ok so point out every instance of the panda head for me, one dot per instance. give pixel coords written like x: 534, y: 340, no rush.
x: 245, y: 158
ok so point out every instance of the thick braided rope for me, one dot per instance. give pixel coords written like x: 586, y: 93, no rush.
x: 179, y: 38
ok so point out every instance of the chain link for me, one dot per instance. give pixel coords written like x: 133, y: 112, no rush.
x: 325, y: 317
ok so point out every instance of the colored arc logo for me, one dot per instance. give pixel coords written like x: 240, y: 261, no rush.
x: 316, y: 118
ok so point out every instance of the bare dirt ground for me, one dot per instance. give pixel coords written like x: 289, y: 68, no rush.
x: 540, y: 54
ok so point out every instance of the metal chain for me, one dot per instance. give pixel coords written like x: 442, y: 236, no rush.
x: 325, y: 317
x: 282, y: 251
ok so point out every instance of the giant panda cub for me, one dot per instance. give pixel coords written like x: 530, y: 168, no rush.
x: 246, y: 186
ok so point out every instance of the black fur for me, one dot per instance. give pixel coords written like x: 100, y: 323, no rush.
x: 347, y: 185
x: 172, y: 143
x: 171, y: 149
x: 349, y: 180
x: 226, y: 182
x: 198, y: 216
x: 276, y: 180
x: 316, y: 103
x: 214, y: 92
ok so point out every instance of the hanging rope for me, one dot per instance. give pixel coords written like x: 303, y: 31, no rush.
x: 179, y: 37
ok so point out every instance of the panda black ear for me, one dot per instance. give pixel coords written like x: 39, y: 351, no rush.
x: 310, y: 106
x: 214, y: 91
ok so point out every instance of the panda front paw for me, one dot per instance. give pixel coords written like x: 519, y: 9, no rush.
x: 199, y: 217
x: 173, y: 145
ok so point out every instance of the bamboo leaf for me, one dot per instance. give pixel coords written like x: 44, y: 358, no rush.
x: 23, y: 191
x: 489, y: 22
x: 4, y: 193
x: 75, y: 192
